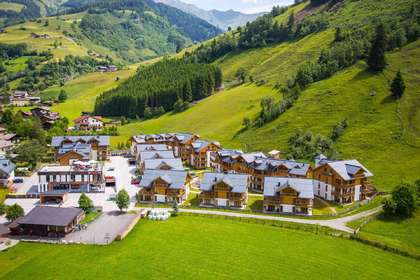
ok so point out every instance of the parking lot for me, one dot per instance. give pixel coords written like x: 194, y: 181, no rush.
x: 117, y: 166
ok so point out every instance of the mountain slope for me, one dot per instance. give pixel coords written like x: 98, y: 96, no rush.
x: 221, y: 19
x: 382, y: 133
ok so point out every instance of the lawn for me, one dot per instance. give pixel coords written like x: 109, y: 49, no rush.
x: 9, y: 6
x: 398, y: 233
x: 190, y: 247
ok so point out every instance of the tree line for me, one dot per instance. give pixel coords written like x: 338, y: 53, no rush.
x: 156, y: 89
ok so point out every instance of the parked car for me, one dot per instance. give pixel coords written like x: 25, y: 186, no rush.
x: 135, y: 181
x: 18, y: 180
x: 112, y: 197
x: 111, y: 169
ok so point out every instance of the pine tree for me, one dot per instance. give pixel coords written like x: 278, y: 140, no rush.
x: 62, y: 96
x: 397, y: 86
x: 376, y: 60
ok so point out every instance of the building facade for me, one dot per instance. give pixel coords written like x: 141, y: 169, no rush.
x: 163, y: 186
x: 224, y: 190
x: 288, y: 195
x: 79, y: 177
x: 99, y: 145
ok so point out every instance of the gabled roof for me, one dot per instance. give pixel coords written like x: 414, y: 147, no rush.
x: 151, y: 147
x: 183, y: 137
x: 198, y: 145
x: 156, y: 154
x: 58, y: 140
x: 6, y: 166
x: 173, y: 163
x: 82, y: 149
x: 294, y: 167
x: 52, y: 216
x: 250, y: 157
x: 348, y: 168
x: 304, y: 187
x: 238, y: 182
x: 175, y: 178
x: 83, y: 119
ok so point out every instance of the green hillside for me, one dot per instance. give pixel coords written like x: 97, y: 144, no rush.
x: 210, y: 248
x: 383, y: 134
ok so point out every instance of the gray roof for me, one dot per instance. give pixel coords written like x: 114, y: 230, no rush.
x: 200, y: 144
x: 152, y: 147
x: 6, y: 166
x: 175, y: 178
x: 183, y: 137
x: 80, y: 148
x: 294, y: 167
x: 52, y: 216
x: 4, y: 230
x: 58, y: 140
x: 250, y: 157
x: 238, y: 182
x: 174, y: 163
x: 156, y: 154
x: 348, y: 168
x: 143, y: 138
x: 304, y: 187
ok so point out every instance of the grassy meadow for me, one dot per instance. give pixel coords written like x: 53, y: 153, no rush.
x: 9, y: 6
x: 395, y: 232
x: 192, y: 247
x: 82, y: 91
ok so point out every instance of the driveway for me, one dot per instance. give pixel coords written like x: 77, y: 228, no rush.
x: 103, y: 230
x: 29, y: 185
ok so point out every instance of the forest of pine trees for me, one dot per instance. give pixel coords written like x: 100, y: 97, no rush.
x: 154, y: 90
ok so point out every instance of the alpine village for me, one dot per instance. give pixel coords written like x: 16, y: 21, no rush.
x: 209, y: 139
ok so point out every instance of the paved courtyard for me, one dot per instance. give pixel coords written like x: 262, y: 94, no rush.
x: 103, y: 230
x: 117, y: 166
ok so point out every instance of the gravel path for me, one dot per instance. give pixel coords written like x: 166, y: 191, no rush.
x: 338, y: 224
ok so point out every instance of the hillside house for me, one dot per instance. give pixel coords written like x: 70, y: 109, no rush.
x: 224, y: 190
x: 89, y: 123
x: 181, y: 144
x: 288, y: 195
x: 342, y: 181
x: 163, y: 186
x: 223, y: 160
x: 23, y: 98
x: 46, y: 116
x: 99, y: 145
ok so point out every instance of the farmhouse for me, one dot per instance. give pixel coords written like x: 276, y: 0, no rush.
x: 48, y: 221
x: 224, y: 190
x: 78, y: 177
x: 47, y: 117
x: 342, y: 181
x: 23, y: 98
x: 201, y: 152
x: 74, y: 152
x: 89, y: 123
x: 163, y: 186
x: 288, y: 195
x: 7, y: 172
x: 99, y: 145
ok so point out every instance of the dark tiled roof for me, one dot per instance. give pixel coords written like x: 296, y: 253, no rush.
x: 51, y: 216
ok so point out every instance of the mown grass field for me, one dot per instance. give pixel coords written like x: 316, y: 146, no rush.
x: 218, y: 117
x: 397, y: 233
x: 82, y: 91
x: 3, y: 193
x: 21, y: 33
x: 208, y: 248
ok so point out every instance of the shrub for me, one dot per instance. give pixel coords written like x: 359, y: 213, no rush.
x: 85, y: 203
x: 13, y: 212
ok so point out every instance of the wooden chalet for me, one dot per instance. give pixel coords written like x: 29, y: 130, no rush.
x: 288, y: 195
x: 224, y: 190
x: 99, y: 145
x: 201, y: 152
x: 163, y: 186
x: 343, y: 181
